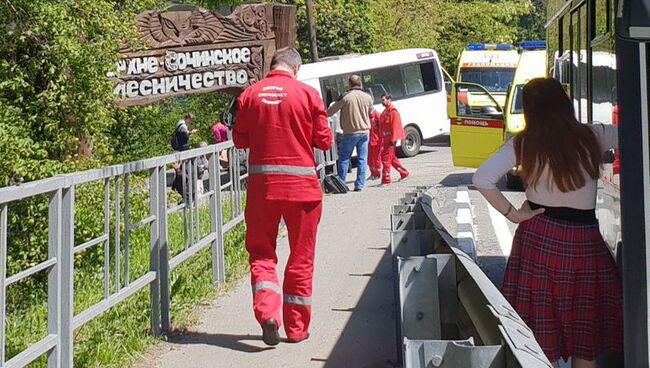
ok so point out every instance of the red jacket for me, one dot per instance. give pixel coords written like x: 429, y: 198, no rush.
x: 375, y: 128
x: 282, y: 120
x: 391, y: 125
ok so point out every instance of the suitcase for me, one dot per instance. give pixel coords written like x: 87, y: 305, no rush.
x: 333, y: 184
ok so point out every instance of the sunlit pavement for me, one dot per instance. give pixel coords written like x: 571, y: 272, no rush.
x: 353, y: 312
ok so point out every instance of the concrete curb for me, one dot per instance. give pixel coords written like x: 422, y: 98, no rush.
x: 465, y: 233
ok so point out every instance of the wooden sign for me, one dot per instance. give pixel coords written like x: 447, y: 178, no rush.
x: 197, y: 51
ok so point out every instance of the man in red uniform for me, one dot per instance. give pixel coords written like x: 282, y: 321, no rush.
x: 374, y: 151
x: 282, y: 120
x: 392, y: 131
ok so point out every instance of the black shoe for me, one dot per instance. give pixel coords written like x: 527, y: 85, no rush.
x: 270, y: 334
x: 357, y: 189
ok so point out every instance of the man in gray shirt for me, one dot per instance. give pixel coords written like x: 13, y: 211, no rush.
x: 354, y: 105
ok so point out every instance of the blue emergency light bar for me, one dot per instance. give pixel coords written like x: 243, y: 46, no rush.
x: 532, y: 45
x: 489, y: 46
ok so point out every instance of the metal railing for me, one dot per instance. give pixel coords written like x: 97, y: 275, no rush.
x: 225, y: 184
x: 226, y: 187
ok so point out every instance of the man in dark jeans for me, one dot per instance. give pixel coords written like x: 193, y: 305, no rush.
x: 354, y: 105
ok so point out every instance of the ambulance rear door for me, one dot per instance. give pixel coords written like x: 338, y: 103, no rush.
x: 476, y: 131
x: 449, y: 85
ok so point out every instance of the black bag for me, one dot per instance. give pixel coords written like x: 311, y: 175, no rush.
x: 334, y: 184
x: 180, y: 142
x: 176, y: 144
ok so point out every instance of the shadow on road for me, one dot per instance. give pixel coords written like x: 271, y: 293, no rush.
x: 368, y: 339
x: 234, y: 342
x: 439, y: 141
x: 455, y: 180
x: 493, y: 267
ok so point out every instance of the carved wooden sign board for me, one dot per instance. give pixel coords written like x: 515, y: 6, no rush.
x: 192, y: 50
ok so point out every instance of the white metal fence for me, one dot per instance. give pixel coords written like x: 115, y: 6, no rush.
x: 224, y: 184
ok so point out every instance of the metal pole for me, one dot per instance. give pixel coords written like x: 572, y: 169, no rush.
x: 216, y: 220
x: 3, y: 274
x: 67, y: 277
x: 107, y: 242
x: 53, y: 276
x: 127, y: 228
x: 163, y: 252
x: 154, y: 261
x: 118, y: 284
x: 311, y: 23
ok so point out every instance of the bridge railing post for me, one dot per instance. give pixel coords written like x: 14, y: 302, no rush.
x: 66, y: 332
x: 54, y: 276
x: 163, y: 252
x: 216, y: 219
x: 154, y: 247
x: 4, y: 230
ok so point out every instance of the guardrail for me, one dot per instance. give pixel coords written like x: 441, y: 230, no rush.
x: 225, y: 184
x: 449, y: 314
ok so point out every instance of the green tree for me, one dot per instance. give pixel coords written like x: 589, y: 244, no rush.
x: 342, y: 26
x: 447, y: 26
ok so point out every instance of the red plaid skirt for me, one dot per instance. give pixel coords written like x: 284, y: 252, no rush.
x: 563, y: 282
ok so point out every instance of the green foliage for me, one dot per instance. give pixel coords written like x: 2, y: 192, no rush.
x: 342, y: 27
x: 448, y: 26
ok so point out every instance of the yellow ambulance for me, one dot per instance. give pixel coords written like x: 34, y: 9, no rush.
x: 480, y: 125
x: 489, y: 65
x: 532, y: 64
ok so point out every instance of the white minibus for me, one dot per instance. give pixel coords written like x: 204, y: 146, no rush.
x: 413, y: 77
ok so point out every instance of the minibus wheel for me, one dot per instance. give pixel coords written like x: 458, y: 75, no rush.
x: 411, y: 143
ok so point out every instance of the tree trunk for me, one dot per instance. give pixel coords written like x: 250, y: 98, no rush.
x: 312, y: 30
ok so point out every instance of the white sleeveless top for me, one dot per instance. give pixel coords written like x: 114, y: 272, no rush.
x: 546, y: 193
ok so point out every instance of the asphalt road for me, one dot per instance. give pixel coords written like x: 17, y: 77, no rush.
x: 353, y: 323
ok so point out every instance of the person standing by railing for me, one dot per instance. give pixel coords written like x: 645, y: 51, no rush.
x: 560, y: 276
x: 281, y: 121
x: 354, y: 105
x: 181, y: 135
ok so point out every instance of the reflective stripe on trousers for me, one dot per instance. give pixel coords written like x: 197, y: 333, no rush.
x: 266, y: 285
x: 282, y: 169
x: 297, y: 300
x: 288, y: 298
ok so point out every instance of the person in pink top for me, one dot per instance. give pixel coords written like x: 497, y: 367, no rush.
x: 220, y: 132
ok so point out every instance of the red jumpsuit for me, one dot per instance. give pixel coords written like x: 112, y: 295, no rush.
x: 392, y: 131
x: 282, y: 120
x: 374, y: 150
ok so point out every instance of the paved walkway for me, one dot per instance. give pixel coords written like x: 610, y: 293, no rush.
x: 353, y: 313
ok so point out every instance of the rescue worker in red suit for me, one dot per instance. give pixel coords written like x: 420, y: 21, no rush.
x: 281, y: 121
x: 391, y: 131
x: 374, y: 151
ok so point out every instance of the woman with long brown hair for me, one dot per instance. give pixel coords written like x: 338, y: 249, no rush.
x: 560, y: 277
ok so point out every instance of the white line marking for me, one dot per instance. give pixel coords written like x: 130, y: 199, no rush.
x: 462, y: 197
x: 464, y: 216
x: 501, y: 229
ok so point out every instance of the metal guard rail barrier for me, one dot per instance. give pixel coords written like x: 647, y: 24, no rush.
x: 449, y: 314
x: 61, y: 320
